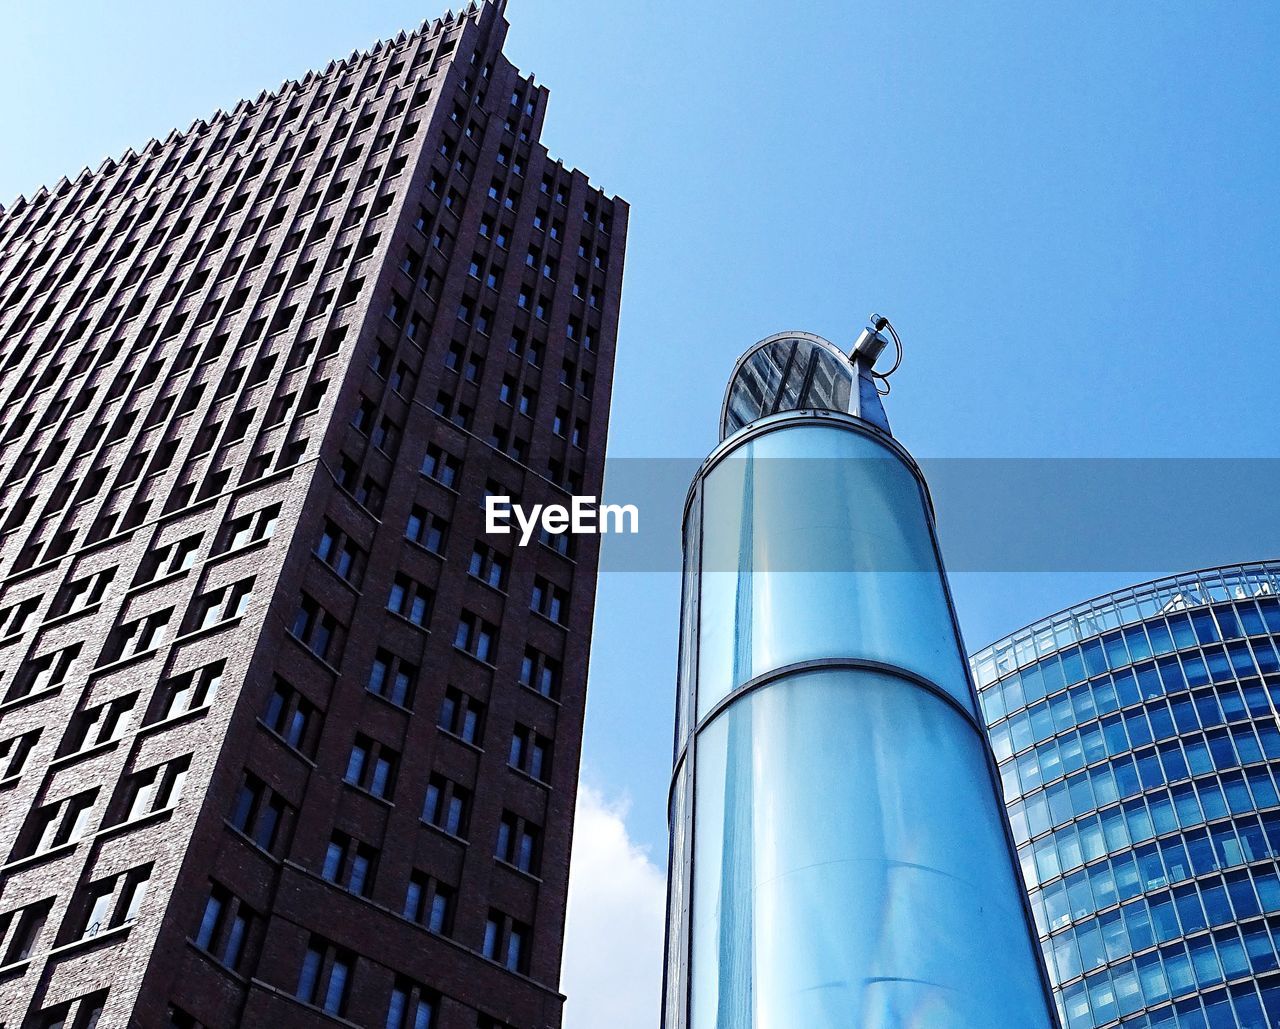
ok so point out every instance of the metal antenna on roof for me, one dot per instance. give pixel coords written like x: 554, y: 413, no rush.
x: 871, y: 343
x: 879, y: 323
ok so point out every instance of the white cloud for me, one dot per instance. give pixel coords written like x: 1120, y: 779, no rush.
x: 612, y: 972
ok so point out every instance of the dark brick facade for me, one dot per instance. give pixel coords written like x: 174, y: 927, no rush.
x: 278, y: 734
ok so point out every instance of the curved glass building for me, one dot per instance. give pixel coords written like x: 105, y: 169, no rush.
x: 1136, y: 737
x: 839, y: 855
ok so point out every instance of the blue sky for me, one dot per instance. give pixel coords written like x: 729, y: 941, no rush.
x: 1069, y: 210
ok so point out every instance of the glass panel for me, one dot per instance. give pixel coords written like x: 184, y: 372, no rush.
x: 787, y: 375
x: 765, y: 604
x: 676, y: 979
x: 832, y: 802
x: 688, y: 617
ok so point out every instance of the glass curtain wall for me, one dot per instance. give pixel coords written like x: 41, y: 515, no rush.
x: 1138, y: 748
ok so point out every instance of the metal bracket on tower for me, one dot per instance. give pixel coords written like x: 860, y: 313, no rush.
x: 871, y: 343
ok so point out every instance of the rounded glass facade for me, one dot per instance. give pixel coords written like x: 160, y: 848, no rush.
x: 838, y: 855
x: 793, y: 371
x: 1139, y: 750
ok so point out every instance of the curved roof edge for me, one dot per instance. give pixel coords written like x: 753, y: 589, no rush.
x: 777, y: 337
x: 1215, y: 583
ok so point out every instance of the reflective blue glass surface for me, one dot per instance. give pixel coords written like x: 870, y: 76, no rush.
x: 676, y: 985
x: 803, y: 497
x: 827, y: 890
x: 839, y: 856
x: 786, y: 373
x: 1139, y: 766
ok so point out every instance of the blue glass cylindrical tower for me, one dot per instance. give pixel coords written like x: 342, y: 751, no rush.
x: 1137, y: 740
x: 839, y: 857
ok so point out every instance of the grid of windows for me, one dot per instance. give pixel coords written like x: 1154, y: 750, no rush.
x: 243, y: 448
x: 1137, y: 743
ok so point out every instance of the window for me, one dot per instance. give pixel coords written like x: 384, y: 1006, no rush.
x: 441, y: 466
x: 20, y: 930
x: 382, y: 360
x: 314, y: 627
x: 224, y: 926
x: 386, y: 436
x: 506, y: 941
x: 79, y: 595
x: 189, y: 691
x: 427, y: 529
x: 80, y: 1013
x: 362, y: 420
x: 258, y: 812
x: 43, y: 673
x: 429, y: 902
x: 15, y: 751
x: 341, y: 553
x: 250, y: 528
x: 411, y: 1006
x: 98, y: 725
x: 293, y: 717
x: 518, y: 843
x: 58, y: 824
x: 530, y: 753
x: 550, y: 600
x: 169, y: 560
x: 447, y: 805
x: 16, y: 618
x: 137, y: 637
x: 371, y: 766
x: 540, y: 672
x: 350, y: 863
x: 392, y: 678
x: 462, y: 715
x: 111, y: 903
x: 561, y: 542
x: 221, y: 605
x: 180, y: 1019
x: 410, y: 599
x: 476, y: 636
x: 369, y: 495
x: 489, y: 566
x: 154, y: 789
x: 402, y: 380
x: 325, y: 977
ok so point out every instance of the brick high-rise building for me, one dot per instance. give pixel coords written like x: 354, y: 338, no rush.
x: 284, y: 738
